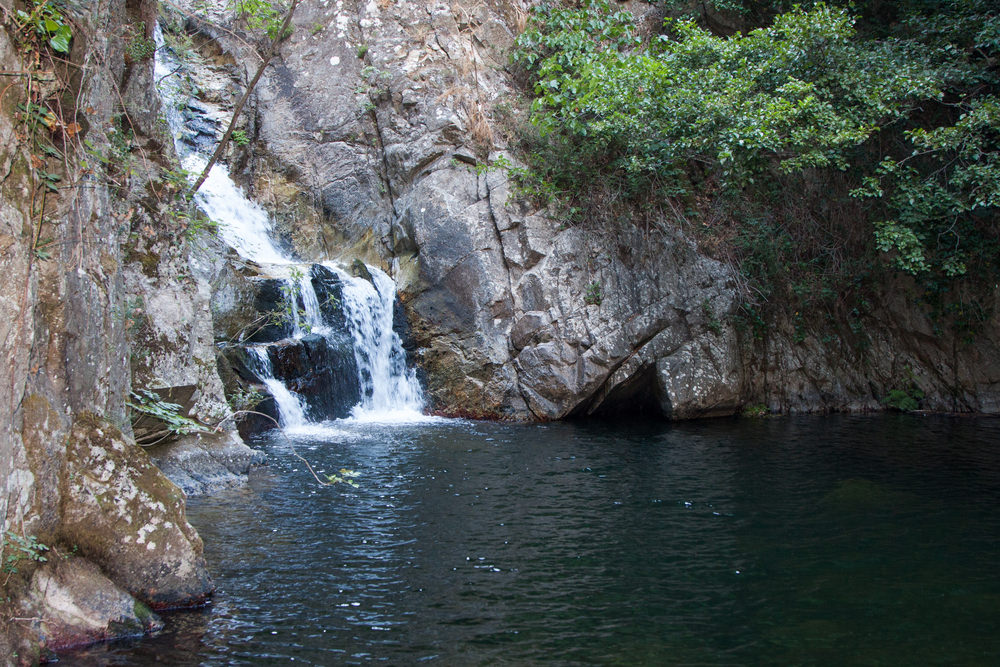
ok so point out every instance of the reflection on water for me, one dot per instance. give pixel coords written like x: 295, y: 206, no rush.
x: 814, y: 540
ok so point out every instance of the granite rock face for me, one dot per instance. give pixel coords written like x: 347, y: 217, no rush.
x: 380, y: 134
x: 71, y: 475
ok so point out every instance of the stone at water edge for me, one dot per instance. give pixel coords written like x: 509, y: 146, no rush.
x: 205, y: 462
x: 71, y: 603
x: 127, y: 517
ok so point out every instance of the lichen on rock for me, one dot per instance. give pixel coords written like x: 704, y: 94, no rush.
x: 126, y: 516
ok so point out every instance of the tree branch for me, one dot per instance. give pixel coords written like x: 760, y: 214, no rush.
x: 243, y: 100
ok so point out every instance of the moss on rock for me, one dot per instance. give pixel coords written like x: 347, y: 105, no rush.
x: 127, y: 517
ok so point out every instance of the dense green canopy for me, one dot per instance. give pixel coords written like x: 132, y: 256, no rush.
x: 905, y: 101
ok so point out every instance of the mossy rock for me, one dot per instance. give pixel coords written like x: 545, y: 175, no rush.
x: 127, y: 517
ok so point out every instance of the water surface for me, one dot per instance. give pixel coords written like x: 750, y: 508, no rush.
x: 833, y: 540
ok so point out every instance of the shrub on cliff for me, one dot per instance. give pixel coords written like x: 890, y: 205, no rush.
x: 907, y: 107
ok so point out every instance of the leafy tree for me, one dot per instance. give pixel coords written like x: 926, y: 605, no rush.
x: 902, y: 97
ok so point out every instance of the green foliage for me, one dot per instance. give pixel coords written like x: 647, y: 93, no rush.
x: 593, y: 296
x: 261, y: 15
x: 904, y: 98
x: 344, y: 476
x: 755, y: 410
x: 240, y: 138
x: 45, y: 21
x: 800, y: 93
x: 21, y: 547
x: 193, y: 222
x: 943, y: 220
x: 138, y: 47
x: 502, y: 163
x: 246, y: 398
x: 291, y: 291
x: 146, y: 402
x: 905, y: 401
x: 711, y: 320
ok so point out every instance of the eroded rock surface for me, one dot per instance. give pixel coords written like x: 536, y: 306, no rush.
x: 382, y: 132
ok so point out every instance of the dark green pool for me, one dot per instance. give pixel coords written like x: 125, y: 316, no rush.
x: 816, y: 540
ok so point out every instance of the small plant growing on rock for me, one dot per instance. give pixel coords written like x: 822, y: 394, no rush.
x: 593, y: 295
x: 47, y: 23
x: 247, y: 398
x: 907, y: 399
x: 903, y: 400
x: 711, y: 320
x: 262, y: 15
x: 138, y: 47
x: 21, y: 547
x: 240, y: 138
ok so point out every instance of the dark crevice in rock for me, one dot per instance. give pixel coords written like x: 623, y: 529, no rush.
x: 639, y: 395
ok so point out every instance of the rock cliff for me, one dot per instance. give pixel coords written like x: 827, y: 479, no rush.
x: 101, y: 297
x: 383, y: 133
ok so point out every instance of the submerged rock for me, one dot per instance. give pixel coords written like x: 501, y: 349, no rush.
x: 205, y: 462
x: 858, y: 494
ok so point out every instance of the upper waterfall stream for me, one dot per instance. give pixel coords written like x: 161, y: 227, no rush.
x: 389, y: 391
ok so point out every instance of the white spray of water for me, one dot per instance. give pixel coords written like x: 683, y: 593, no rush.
x: 389, y: 390
x: 292, y: 414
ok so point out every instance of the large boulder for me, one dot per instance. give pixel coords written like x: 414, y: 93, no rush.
x: 123, y: 514
x: 323, y: 372
x: 71, y: 603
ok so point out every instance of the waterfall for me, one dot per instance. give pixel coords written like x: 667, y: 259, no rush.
x: 389, y: 390
x: 290, y: 409
x: 243, y: 225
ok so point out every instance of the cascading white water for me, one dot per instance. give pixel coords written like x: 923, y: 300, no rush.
x: 390, y: 391
x: 243, y: 225
x: 292, y: 414
x: 388, y: 388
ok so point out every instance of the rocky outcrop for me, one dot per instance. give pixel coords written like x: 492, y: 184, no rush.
x: 70, y: 602
x: 122, y: 513
x: 72, y: 480
x: 380, y: 132
x: 171, y: 338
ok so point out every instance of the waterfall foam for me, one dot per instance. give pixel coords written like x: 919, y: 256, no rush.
x: 292, y: 414
x: 389, y: 390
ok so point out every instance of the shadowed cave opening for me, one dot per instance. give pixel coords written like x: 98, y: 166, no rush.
x: 639, y: 396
